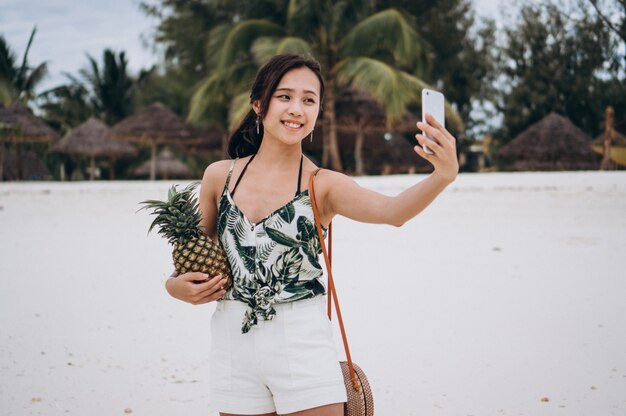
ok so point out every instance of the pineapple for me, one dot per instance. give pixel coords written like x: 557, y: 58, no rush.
x: 178, y: 219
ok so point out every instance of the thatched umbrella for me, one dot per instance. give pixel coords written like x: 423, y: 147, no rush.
x: 32, y: 167
x: 553, y: 143
x: 167, y: 166
x: 157, y: 124
x: 19, y: 125
x: 93, y: 138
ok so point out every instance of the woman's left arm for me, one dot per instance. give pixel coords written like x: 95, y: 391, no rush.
x: 345, y: 197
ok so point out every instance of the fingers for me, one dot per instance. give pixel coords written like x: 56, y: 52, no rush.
x: 434, y: 132
x: 202, y: 289
x: 214, y: 285
x: 432, y: 145
x: 208, y: 295
x: 432, y: 125
x: 193, y: 276
x: 209, y: 298
x: 418, y: 149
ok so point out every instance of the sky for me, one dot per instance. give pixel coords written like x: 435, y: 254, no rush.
x: 68, y: 30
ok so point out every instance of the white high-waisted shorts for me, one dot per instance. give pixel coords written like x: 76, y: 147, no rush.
x: 284, y: 365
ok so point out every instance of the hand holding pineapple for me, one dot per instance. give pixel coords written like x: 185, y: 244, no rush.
x: 205, y: 274
x: 196, y: 288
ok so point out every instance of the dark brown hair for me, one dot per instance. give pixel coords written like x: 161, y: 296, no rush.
x: 245, y: 141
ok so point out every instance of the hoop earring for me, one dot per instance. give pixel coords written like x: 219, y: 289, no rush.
x: 312, y: 136
x: 257, y: 124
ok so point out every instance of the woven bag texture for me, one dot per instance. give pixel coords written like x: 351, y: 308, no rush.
x: 360, y: 403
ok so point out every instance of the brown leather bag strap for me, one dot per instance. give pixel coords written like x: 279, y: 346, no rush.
x: 332, y: 292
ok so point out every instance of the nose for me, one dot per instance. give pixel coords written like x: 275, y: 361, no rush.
x: 295, y: 108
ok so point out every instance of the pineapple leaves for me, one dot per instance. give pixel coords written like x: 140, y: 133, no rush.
x: 178, y: 216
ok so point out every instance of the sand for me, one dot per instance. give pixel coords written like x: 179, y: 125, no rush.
x: 507, y: 296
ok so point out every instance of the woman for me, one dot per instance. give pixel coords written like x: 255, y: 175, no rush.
x: 272, y: 350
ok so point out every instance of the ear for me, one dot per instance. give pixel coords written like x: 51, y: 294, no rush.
x: 256, y: 106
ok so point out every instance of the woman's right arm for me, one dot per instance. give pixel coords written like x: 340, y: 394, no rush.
x: 195, y: 287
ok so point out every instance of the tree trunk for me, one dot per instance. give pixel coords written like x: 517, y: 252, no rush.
x: 18, y: 156
x: 112, y: 168
x: 92, y: 167
x: 608, y: 136
x: 330, y: 156
x: 153, y: 161
x: 358, y: 148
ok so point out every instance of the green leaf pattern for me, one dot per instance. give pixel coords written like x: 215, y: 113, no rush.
x: 275, y: 261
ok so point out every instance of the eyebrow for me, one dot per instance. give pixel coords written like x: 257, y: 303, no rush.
x: 292, y: 90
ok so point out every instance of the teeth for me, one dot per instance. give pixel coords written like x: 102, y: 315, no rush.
x: 292, y: 125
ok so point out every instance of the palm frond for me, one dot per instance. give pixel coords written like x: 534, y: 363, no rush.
x: 239, y: 107
x: 387, y: 32
x: 24, y: 67
x: 5, y: 93
x: 393, y: 89
x: 7, y: 61
x: 208, y: 93
x: 35, y: 77
x: 265, y: 47
x: 215, y: 42
x: 212, y: 98
x: 383, y: 83
x: 240, y: 38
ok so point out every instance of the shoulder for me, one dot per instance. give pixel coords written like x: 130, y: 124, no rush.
x: 217, y: 169
x: 214, y: 177
x: 329, y: 180
x: 329, y: 187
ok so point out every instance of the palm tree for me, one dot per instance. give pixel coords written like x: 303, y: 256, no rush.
x: 66, y: 106
x: 112, y: 89
x: 17, y: 84
x: 374, y: 52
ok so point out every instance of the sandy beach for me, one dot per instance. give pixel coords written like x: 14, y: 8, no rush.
x: 507, y: 296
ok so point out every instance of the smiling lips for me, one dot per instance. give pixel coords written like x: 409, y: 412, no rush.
x: 292, y: 124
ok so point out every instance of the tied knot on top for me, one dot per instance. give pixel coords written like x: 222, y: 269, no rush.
x: 261, y: 306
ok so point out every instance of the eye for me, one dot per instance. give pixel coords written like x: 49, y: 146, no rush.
x: 309, y: 100
x: 282, y: 97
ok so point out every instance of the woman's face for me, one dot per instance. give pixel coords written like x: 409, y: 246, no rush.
x: 293, y: 108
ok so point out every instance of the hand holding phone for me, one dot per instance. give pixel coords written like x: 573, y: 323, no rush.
x: 433, y: 104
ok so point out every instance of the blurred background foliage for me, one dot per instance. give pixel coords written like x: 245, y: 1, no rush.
x: 553, y: 56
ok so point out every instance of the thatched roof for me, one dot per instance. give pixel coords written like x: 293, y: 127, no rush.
x: 19, y: 121
x: 157, y: 123
x: 33, y: 168
x: 167, y: 166
x: 553, y: 143
x: 93, y: 138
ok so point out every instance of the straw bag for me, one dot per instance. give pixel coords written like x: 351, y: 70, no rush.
x: 360, y: 399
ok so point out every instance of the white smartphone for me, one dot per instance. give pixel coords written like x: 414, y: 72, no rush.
x: 433, y: 104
